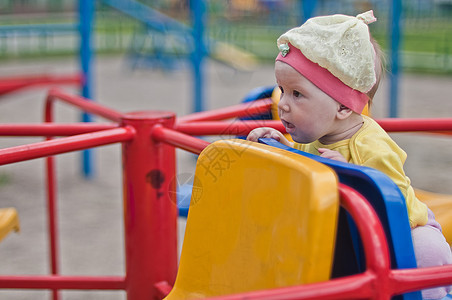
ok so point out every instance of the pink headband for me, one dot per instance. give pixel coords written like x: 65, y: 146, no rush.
x: 324, y: 80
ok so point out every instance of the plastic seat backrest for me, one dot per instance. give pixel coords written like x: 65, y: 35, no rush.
x: 9, y: 221
x: 259, y: 218
x: 388, y: 202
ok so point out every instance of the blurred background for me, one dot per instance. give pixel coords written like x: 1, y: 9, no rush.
x: 252, y: 25
x: 182, y: 56
x: 165, y: 34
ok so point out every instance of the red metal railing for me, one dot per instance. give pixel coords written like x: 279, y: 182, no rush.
x: 148, y: 140
x: 377, y: 282
x: 77, y: 137
x: 80, y: 142
x: 66, y: 144
x: 416, y: 125
x: 11, y: 84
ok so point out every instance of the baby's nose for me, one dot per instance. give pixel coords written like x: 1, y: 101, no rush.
x: 283, y: 107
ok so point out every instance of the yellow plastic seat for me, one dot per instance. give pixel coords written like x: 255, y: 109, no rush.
x: 9, y: 220
x: 260, y: 218
x: 441, y: 205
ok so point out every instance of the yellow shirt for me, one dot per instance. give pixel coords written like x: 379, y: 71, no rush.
x: 372, y: 147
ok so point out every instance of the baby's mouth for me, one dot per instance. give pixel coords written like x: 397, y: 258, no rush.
x: 289, y: 126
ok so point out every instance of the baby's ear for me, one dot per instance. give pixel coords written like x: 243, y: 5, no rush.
x: 343, y: 112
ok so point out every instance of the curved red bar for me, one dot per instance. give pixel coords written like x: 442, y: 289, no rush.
x: 80, y: 102
x: 11, y: 84
x: 235, y: 111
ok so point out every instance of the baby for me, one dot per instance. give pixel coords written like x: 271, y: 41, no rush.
x: 328, y: 70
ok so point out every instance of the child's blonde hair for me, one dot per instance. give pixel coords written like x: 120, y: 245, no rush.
x: 380, y: 63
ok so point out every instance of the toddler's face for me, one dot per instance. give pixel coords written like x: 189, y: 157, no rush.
x: 308, y: 114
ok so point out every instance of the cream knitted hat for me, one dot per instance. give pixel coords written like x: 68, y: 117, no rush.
x: 339, y: 44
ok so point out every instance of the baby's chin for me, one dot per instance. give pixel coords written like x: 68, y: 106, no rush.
x: 301, y: 140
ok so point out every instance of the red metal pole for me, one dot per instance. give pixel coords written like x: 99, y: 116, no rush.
x: 11, y: 84
x: 240, y: 110
x: 150, y: 215
x: 375, y: 245
x: 178, y: 139
x: 52, y: 220
x: 226, y: 128
x: 82, y: 103
x: 65, y: 144
x: 63, y: 282
x: 407, y: 280
x: 406, y: 125
x: 81, y: 141
x: 350, y: 287
x: 50, y: 129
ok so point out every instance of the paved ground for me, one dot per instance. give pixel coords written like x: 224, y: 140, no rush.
x: 91, y: 211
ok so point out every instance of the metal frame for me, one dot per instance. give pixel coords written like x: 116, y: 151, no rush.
x: 157, y: 133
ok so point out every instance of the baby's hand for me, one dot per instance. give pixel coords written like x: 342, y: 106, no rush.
x: 334, y: 155
x: 267, y: 132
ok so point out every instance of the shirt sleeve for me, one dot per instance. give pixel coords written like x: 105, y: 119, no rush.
x: 386, y: 156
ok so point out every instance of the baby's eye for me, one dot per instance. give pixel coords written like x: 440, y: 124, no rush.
x: 281, y: 89
x: 297, y: 94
